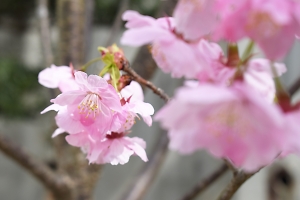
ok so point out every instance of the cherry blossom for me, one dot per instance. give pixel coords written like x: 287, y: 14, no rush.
x: 135, y: 102
x: 90, y: 108
x: 230, y: 122
x: 169, y: 49
x: 115, y: 148
x: 185, y: 14
x: 271, y: 24
x: 257, y: 73
x: 61, y: 77
x: 102, y: 143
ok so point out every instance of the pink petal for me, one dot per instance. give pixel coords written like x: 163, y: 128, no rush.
x: 138, y: 146
x: 186, y: 13
x: 95, y: 82
x: 69, y: 97
x: 54, y: 107
x: 136, y: 20
x: 110, y: 98
x: 265, y: 65
x: 141, y: 36
x: 57, y: 132
x: 51, y: 77
x: 133, y: 91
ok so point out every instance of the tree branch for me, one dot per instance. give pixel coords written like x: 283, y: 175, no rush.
x: 148, y: 84
x: 206, y: 183
x: 43, y: 15
x: 117, y: 22
x: 147, y: 175
x: 235, y: 183
x: 58, y: 185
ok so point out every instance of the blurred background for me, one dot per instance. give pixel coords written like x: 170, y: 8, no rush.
x: 23, y: 53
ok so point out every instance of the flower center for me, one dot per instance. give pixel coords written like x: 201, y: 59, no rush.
x: 91, y: 104
x: 228, y: 118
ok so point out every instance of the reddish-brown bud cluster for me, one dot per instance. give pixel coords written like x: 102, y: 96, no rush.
x: 123, y: 81
x: 118, y: 54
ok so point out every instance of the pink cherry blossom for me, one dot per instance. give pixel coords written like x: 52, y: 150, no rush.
x: 115, y: 148
x: 169, y: 49
x: 90, y: 108
x: 260, y: 77
x: 61, y: 77
x: 270, y: 23
x: 135, y: 104
x: 196, y: 18
x: 292, y: 132
x: 230, y: 122
x: 257, y: 73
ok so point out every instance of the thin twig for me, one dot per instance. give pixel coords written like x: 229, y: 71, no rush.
x: 139, y: 79
x: 117, y: 22
x: 206, y: 183
x: 38, y: 169
x: 231, y: 167
x: 235, y: 183
x: 145, y: 178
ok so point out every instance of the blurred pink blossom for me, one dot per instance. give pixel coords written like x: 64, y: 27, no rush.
x: 230, y: 122
x: 257, y: 74
x: 195, y: 19
x: 61, y: 77
x: 170, y: 50
x: 272, y: 24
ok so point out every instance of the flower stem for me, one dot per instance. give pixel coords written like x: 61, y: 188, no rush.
x: 206, y: 183
x: 233, y: 58
x: 84, y: 67
x: 148, y: 84
x: 248, y: 50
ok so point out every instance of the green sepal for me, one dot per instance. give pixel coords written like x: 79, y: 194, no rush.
x: 115, y: 76
x: 105, y: 70
x: 108, y: 59
x: 114, y: 72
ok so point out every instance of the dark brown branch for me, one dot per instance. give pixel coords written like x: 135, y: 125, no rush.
x: 206, y: 183
x: 142, y: 81
x: 235, y: 183
x: 117, y: 22
x: 58, y: 185
x: 145, y: 178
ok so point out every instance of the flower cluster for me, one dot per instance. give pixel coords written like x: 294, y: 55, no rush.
x: 96, y: 116
x: 232, y: 107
